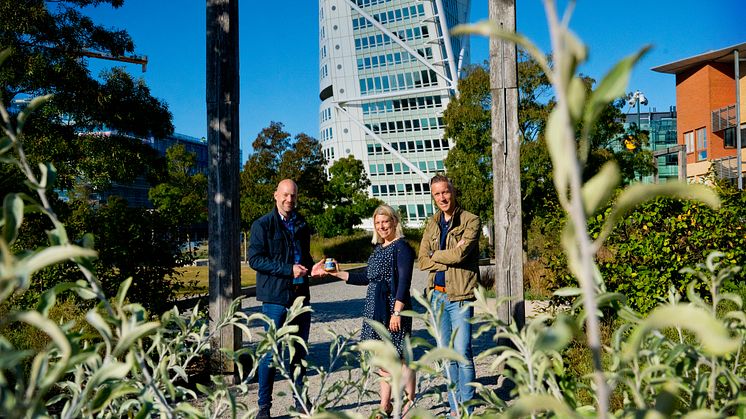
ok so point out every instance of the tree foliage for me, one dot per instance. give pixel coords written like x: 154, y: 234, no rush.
x: 469, y: 162
x: 348, y: 202
x: 653, y: 243
x: 182, y: 199
x: 277, y: 156
x: 91, y: 131
x: 132, y: 242
x: 49, y: 41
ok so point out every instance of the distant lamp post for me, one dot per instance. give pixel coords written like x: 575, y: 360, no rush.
x: 638, y: 98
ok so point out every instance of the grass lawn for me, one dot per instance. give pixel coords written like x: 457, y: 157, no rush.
x: 194, y: 278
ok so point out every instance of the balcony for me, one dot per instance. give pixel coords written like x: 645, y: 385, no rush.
x: 724, y: 118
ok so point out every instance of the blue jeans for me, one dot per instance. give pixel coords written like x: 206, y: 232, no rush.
x: 455, y: 318
x: 265, y: 373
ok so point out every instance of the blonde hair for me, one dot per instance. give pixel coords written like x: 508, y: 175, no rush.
x: 392, y: 214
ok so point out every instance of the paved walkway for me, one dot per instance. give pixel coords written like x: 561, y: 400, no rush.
x: 337, y: 307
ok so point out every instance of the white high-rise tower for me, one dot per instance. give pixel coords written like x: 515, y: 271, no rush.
x: 387, y: 71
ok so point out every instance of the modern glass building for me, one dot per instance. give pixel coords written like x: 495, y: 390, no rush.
x: 387, y: 71
x: 661, y: 127
x: 136, y: 193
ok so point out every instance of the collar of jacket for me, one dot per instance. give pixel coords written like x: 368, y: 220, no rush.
x: 301, y: 222
x: 455, y: 217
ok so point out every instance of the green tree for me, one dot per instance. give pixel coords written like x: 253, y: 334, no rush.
x: 304, y: 162
x: 277, y: 156
x: 132, y: 242
x: 468, y: 124
x: 182, y: 199
x: 469, y: 162
x: 348, y: 202
x: 49, y: 41
x: 91, y: 132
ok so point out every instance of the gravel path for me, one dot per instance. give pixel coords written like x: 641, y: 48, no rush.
x: 338, y: 307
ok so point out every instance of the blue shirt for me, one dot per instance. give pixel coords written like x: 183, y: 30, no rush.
x: 440, y: 276
x: 289, y: 223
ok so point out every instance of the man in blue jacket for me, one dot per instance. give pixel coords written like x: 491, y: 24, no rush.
x: 279, y: 252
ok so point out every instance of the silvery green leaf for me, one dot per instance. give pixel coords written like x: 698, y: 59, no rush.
x: 84, y: 291
x: 555, y: 143
x: 441, y: 354
x: 122, y: 292
x: 492, y: 29
x: 188, y: 410
x: 636, y: 194
x: 133, y: 335
x: 612, y: 86
x: 29, y: 109
x: 98, y: 322
x: 568, y: 292
x: 52, y: 255
x: 48, y: 175
x: 576, y: 92
x: 557, y: 336
x: 597, y: 190
x: 12, y: 217
x: 710, y: 332
x: 534, y: 403
x: 59, y: 338
x: 12, y: 358
x: 702, y: 414
x: 575, y: 46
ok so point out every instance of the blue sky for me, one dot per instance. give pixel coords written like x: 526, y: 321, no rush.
x: 279, y: 50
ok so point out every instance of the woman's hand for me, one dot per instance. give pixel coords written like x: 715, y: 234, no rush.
x: 395, y: 323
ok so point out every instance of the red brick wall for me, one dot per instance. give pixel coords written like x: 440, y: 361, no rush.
x: 699, y: 91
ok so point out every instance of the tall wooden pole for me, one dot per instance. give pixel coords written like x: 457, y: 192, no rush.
x: 506, y: 165
x: 222, y: 180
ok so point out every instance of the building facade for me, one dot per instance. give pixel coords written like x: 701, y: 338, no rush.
x: 136, y: 193
x: 387, y: 71
x: 662, y: 140
x: 710, y: 112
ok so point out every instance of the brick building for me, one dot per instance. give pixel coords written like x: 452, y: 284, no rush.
x: 711, y: 111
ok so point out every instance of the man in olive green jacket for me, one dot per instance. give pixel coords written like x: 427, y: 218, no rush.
x: 449, y: 251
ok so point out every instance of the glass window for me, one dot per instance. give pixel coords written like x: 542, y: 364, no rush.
x: 701, y: 144
x: 729, y: 137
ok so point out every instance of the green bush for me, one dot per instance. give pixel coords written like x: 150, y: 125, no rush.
x: 643, y: 258
x: 355, y: 248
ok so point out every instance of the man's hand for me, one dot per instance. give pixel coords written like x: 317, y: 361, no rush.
x: 299, y: 271
x: 461, y: 243
x: 318, y: 269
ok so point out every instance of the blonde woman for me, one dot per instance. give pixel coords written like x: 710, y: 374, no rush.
x: 388, y: 277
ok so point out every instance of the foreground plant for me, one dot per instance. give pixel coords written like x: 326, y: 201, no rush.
x: 577, y: 110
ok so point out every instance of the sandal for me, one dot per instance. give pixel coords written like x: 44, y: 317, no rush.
x: 385, y: 413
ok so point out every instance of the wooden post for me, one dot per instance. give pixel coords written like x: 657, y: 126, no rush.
x: 222, y: 181
x: 506, y: 165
